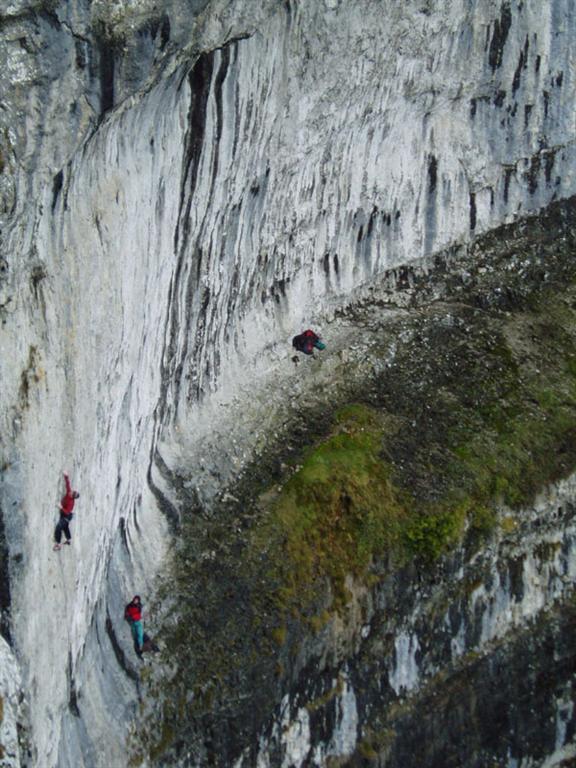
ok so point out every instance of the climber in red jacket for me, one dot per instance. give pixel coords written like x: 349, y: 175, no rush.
x: 66, y: 507
x: 133, y: 615
x: 307, y: 341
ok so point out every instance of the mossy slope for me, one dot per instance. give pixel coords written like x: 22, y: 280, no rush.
x: 433, y: 456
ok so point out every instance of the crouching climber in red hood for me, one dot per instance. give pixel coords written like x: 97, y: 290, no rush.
x: 307, y: 341
x: 66, y: 507
x: 133, y: 615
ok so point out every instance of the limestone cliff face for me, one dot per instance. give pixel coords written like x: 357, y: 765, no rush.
x: 180, y: 191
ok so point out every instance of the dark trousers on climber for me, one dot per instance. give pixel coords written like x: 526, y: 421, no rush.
x: 62, y: 527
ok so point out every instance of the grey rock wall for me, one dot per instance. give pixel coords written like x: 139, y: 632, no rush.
x: 12, y: 709
x: 180, y: 191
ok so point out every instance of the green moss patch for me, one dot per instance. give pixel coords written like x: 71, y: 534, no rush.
x: 473, y: 416
x: 526, y: 436
x: 507, y: 430
x: 334, y: 513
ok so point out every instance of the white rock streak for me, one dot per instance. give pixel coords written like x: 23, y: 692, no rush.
x: 346, y: 731
x: 296, y: 739
x: 404, y: 674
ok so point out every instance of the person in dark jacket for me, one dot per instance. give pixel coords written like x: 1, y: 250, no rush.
x: 66, y: 507
x: 133, y: 615
x: 307, y: 341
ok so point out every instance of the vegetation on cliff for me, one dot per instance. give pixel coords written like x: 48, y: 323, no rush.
x: 417, y: 452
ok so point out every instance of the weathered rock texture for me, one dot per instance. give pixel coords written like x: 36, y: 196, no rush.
x: 180, y: 190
